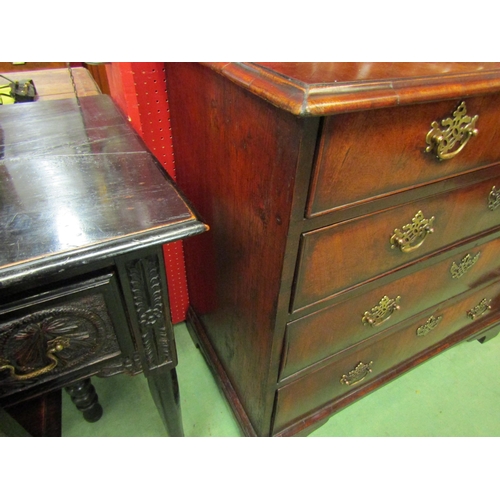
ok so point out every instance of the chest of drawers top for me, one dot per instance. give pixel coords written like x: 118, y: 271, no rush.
x: 324, y: 88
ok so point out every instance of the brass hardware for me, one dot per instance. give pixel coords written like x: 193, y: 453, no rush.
x: 382, y: 312
x: 458, y: 131
x: 416, y: 231
x: 494, y: 198
x: 482, y: 308
x: 358, y: 374
x: 458, y: 270
x: 53, y: 346
x: 430, y: 324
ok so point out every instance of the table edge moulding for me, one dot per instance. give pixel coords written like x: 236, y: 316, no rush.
x: 324, y: 185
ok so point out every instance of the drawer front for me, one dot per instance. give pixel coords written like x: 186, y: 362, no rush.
x: 53, y: 334
x: 316, y: 336
x: 369, y: 359
x: 370, y: 154
x: 335, y: 258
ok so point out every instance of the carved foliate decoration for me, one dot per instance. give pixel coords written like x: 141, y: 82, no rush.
x: 458, y: 270
x: 128, y: 365
x: 145, y: 283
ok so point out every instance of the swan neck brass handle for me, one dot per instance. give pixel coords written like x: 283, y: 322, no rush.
x: 482, y: 308
x: 358, y: 374
x: 53, y: 346
x: 381, y: 312
x: 412, y: 236
x: 445, y: 143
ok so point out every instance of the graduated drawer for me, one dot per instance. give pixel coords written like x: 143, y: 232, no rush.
x: 317, y: 335
x: 54, y: 333
x: 337, y: 257
x: 374, y: 153
x: 366, y: 361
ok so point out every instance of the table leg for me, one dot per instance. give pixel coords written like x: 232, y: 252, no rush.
x: 165, y: 391
x: 85, y: 398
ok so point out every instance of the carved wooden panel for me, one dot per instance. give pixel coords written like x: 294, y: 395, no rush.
x: 54, y: 339
x: 146, y: 288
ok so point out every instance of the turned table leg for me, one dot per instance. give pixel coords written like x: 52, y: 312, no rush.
x: 85, y: 398
x: 165, y: 391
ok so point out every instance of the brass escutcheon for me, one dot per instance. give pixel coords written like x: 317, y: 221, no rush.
x: 494, y: 198
x: 458, y: 270
x: 430, y: 324
x: 53, y: 346
x: 412, y: 236
x: 381, y: 312
x: 482, y: 308
x: 358, y: 374
x: 448, y: 142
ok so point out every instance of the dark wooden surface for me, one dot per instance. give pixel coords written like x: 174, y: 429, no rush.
x: 77, y: 181
x: 303, y: 183
x: 85, y: 209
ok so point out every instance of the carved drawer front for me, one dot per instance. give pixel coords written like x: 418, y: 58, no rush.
x: 363, y: 155
x: 55, y: 333
x: 317, y: 335
x: 343, y: 255
x: 369, y: 359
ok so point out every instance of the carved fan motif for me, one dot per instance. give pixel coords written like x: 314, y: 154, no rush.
x: 25, y: 342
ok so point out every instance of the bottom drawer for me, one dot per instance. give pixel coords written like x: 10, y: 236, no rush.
x: 371, y: 358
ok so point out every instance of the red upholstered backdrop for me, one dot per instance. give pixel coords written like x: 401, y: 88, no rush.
x: 139, y: 89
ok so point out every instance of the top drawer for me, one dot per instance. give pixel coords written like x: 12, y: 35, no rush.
x: 370, y: 154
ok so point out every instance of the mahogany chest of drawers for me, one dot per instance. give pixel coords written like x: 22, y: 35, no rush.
x: 355, y: 225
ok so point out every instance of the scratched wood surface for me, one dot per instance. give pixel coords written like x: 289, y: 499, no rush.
x: 77, y: 180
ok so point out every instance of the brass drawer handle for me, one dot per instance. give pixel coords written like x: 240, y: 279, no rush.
x: 417, y: 231
x: 458, y: 270
x: 458, y: 131
x: 358, y: 374
x: 482, y: 308
x: 53, y: 346
x: 430, y: 324
x: 494, y: 198
x: 381, y: 312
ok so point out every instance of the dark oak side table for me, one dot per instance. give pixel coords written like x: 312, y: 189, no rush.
x: 84, y: 211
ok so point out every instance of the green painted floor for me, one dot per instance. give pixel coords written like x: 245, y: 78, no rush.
x: 455, y: 394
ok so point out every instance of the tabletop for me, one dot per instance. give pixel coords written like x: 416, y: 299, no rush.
x: 76, y: 182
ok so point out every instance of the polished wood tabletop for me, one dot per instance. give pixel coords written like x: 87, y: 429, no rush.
x: 76, y: 182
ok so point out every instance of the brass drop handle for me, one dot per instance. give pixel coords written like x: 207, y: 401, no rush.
x: 358, y: 374
x: 412, y: 236
x: 494, y: 198
x: 447, y: 142
x: 429, y: 325
x: 482, y: 308
x: 381, y: 312
x: 55, y: 345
